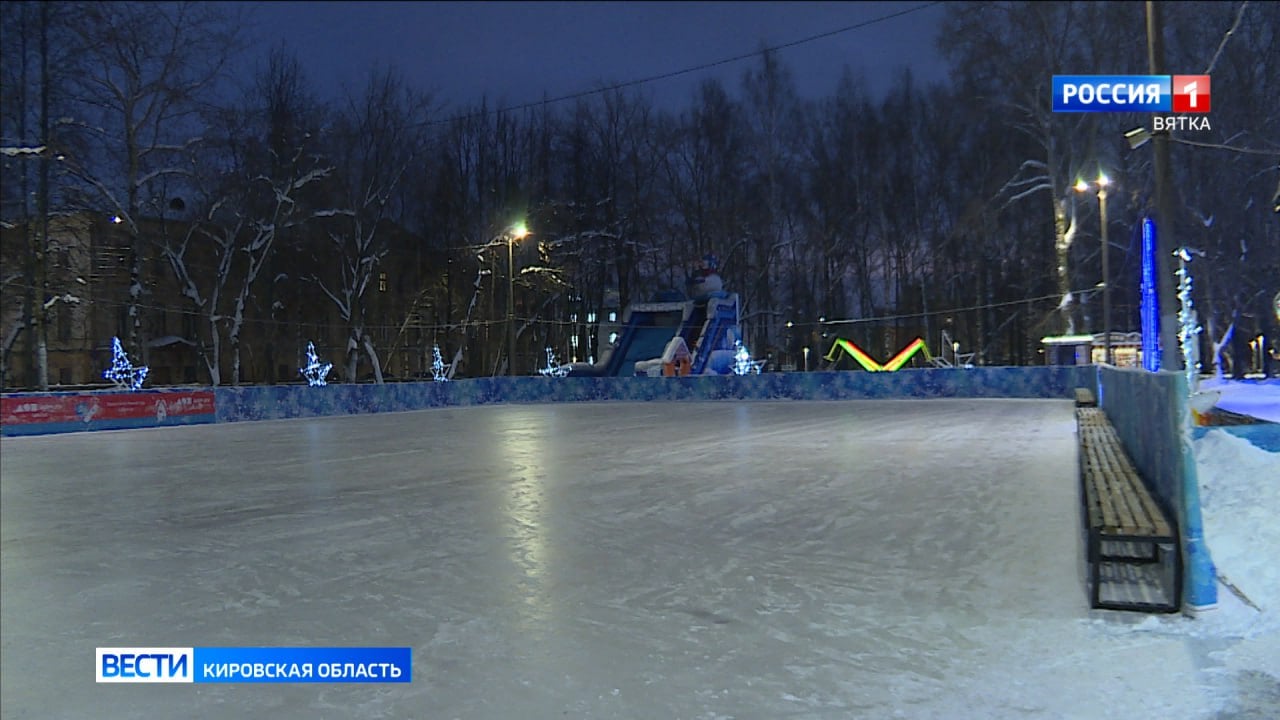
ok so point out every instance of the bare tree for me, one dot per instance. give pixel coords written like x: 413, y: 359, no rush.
x: 1009, y: 52
x: 1229, y: 175
x: 773, y: 112
x: 839, y: 168
x: 149, y: 70
x: 260, y: 164
x: 705, y: 162
x: 376, y: 136
x: 34, y: 75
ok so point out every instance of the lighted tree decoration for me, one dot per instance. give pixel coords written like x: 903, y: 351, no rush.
x: 438, y: 371
x: 743, y: 364
x: 122, y: 372
x: 1188, y: 325
x: 553, y: 368
x: 315, y: 372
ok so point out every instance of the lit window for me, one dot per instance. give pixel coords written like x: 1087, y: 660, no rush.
x: 382, y: 282
x: 591, y: 317
x: 613, y: 338
x: 613, y: 317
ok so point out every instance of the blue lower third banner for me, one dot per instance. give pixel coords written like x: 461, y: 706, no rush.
x: 255, y: 665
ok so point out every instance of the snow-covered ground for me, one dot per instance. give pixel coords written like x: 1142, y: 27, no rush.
x: 1240, y: 638
x: 1240, y: 499
x: 878, y: 559
x: 1258, y: 398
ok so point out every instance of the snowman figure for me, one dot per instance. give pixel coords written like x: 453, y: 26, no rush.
x: 706, y: 279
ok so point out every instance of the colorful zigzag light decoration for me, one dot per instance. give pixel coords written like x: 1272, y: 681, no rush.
x: 867, y: 362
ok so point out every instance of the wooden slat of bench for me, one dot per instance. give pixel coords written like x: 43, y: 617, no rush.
x: 1119, y: 495
x: 1139, y: 503
x: 1091, y: 417
x: 1093, y: 496
x: 1118, y: 506
x: 1118, y: 502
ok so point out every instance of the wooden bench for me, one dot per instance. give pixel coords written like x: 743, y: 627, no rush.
x: 1085, y: 398
x: 1131, y: 543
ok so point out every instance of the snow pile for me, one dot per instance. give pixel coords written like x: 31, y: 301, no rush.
x: 1240, y: 501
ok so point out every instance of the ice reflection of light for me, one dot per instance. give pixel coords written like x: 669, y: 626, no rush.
x: 524, y: 444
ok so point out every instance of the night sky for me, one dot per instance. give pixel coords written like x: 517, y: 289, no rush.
x: 519, y: 52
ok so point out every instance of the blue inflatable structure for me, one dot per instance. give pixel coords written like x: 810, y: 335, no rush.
x: 675, y: 337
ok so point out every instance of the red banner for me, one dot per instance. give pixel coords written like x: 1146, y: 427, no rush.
x: 87, y: 408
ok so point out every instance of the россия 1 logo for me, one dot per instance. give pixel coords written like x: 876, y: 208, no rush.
x: 1138, y: 93
x: 1191, y: 94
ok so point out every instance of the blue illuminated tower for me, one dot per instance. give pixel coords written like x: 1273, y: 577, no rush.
x: 1150, y: 309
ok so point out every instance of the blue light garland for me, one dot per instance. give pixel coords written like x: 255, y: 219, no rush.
x: 315, y: 372
x: 438, y: 371
x: 553, y: 368
x: 743, y: 364
x: 122, y: 372
x: 1150, y: 308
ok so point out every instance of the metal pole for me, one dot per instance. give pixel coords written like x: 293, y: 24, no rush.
x: 511, y: 307
x: 1166, y: 293
x: 1106, y: 279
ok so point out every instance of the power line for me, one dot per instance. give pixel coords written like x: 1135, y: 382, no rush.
x: 971, y: 308
x: 1228, y: 148
x: 677, y: 73
x: 251, y: 319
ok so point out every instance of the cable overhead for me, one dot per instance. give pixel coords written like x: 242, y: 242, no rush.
x: 250, y: 318
x: 678, y: 73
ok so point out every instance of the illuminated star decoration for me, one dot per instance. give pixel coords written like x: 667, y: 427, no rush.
x: 553, y: 368
x: 315, y: 372
x: 743, y: 364
x: 438, y: 372
x: 1188, y: 328
x: 122, y: 372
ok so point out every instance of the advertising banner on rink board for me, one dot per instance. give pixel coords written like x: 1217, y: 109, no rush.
x: 40, y: 414
x: 254, y: 665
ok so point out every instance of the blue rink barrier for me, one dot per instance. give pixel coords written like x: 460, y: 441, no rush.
x: 236, y: 404
x: 56, y: 412
x: 1151, y: 416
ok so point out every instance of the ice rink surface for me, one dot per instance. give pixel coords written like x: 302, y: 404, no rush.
x: 855, y: 559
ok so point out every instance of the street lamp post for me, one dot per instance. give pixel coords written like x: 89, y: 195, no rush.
x: 515, y: 233
x: 1082, y: 186
x: 1106, y: 270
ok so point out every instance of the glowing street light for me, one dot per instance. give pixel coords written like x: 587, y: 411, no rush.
x: 514, y: 233
x: 1081, y: 186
